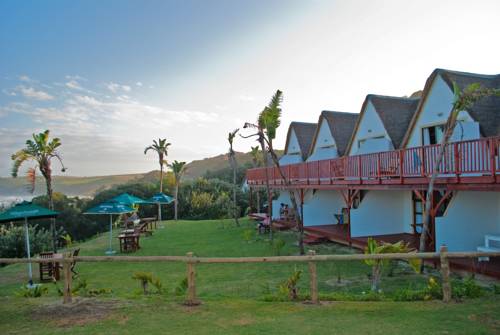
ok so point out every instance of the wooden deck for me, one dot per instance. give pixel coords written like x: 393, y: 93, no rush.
x: 338, y: 233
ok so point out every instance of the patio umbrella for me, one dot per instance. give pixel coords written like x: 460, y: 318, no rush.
x: 129, y: 199
x: 110, y: 207
x: 160, y: 199
x: 22, y: 212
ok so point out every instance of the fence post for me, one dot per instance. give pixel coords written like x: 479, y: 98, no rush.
x: 67, y: 279
x: 445, y: 273
x: 191, y: 290
x: 313, y: 279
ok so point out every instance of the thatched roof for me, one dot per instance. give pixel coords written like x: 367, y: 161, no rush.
x: 486, y: 112
x: 341, y: 127
x: 305, y: 133
x: 394, y: 112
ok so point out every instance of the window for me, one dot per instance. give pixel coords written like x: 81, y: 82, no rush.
x: 363, y: 141
x: 433, y: 134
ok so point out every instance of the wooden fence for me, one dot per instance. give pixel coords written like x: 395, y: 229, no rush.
x: 311, y: 258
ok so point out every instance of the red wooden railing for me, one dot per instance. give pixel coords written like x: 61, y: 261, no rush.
x: 471, y: 160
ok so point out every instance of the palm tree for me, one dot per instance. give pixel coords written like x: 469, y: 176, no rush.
x: 41, y: 150
x: 267, y: 124
x: 178, y: 168
x: 161, y: 148
x: 463, y: 100
x: 256, y: 162
x: 232, y: 161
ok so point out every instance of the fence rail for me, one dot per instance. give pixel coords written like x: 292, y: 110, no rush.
x: 311, y: 258
x: 477, y: 159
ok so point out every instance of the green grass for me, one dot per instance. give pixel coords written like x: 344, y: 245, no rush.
x: 232, y: 294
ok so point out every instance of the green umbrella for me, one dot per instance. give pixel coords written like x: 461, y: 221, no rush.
x: 22, y: 212
x: 129, y: 199
x: 160, y: 199
x: 110, y: 207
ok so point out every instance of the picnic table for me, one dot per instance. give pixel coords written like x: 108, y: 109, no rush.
x: 129, y: 242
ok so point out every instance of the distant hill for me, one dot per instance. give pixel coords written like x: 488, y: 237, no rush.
x: 88, y: 186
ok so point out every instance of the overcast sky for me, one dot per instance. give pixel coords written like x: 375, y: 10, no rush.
x: 107, y: 77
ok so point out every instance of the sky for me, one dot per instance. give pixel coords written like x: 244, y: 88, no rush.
x: 108, y: 77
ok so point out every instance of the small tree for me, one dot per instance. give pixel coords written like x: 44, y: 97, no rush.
x: 256, y: 162
x: 161, y: 148
x: 373, y: 247
x: 463, y: 100
x: 40, y: 150
x: 234, y: 167
x: 178, y: 168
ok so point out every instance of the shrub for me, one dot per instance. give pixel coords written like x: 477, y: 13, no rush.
x: 248, y: 235
x: 466, y: 289
x: 32, y: 292
x: 289, y: 287
x: 13, y: 244
x: 181, y: 288
x: 146, y: 278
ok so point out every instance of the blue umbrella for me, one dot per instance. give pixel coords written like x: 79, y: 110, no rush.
x: 160, y: 199
x: 110, y: 207
x: 22, y: 212
x: 129, y: 199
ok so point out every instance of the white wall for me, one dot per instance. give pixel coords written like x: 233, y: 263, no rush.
x: 293, y: 151
x: 320, y: 209
x: 370, y: 126
x: 435, y: 111
x: 325, y: 146
x: 469, y: 217
x: 382, y: 212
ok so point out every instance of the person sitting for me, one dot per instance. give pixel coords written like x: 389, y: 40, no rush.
x: 131, y: 220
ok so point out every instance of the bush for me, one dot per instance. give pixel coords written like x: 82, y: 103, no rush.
x: 182, y: 287
x: 13, y: 242
x: 278, y: 244
x: 146, y: 278
x: 32, y: 292
x: 466, y: 289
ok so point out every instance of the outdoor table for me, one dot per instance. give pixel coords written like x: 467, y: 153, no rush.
x: 129, y: 242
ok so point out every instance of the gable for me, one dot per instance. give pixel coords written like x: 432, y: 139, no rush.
x: 293, y: 146
x: 435, y: 111
x: 324, y: 145
x: 370, y: 129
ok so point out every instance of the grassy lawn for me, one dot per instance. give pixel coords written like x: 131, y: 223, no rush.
x: 232, y: 294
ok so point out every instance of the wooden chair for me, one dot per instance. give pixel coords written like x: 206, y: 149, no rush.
x: 46, y: 269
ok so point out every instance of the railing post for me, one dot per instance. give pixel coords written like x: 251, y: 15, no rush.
x: 401, y: 165
x: 493, y: 167
x: 67, y: 279
x: 191, y: 289
x: 422, y: 153
x: 379, y: 176
x: 445, y: 273
x: 313, y: 277
x: 359, y: 168
x: 456, y: 157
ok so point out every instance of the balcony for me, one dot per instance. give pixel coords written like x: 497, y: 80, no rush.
x: 472, y: 164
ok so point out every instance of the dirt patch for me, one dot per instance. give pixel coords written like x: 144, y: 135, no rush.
x: 78, y: 313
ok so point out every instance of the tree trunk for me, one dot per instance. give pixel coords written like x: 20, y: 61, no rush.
x: 48, y: 182
x: 376, y: 272
x: 235, y: 207
x: 450, y: 126
x: 257, y: 199
x: 176, y: 199
x: 161, y: 177
x: 265, y: 158
x: 298, y: 215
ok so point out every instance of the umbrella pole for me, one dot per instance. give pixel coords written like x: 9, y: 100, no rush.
x: 159, y: 212
x: 110, y: 250
x: 28, y: 251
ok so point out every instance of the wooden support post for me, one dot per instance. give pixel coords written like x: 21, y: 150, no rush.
x: 67, y: 280
x: 191, y: 290
x: 313, y: 279
x: 445, y: 273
